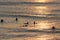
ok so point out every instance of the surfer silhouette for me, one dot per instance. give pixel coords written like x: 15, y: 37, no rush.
x: 16, y: 19
x: 34, y: 23
x: 53, y: 28
x: 26, y: 24
x: 2, y: 21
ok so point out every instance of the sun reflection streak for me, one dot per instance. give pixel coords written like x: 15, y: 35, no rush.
x: 40, y: 0
x: 45, y: 37
x: 42, y: 9
x: 44, y: 25
x: 44, y: 1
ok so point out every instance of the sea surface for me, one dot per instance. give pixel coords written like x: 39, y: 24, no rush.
x: 44, y: 14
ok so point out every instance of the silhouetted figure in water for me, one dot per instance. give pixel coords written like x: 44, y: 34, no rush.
x: 26, y: 24
x: 2, y: 21
x: 34, y: 23
x: 16, y: 19
x: 53, y: 28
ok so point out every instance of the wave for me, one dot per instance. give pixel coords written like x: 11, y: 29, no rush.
x: 55, y: 10
x: 18, y: 3
x: 8, y: 36
x: 48, y: 16
x: 18, y: 32
x: 30, y: 30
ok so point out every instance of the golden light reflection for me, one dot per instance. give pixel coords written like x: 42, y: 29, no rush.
x: 44, y: 25
x: 45, y: 37
x: 40, y: 0
x: 41, y: 37
x: 44, y: 1
x: 42, y: 10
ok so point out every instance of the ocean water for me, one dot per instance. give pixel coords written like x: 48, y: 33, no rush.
x: 45, y: 14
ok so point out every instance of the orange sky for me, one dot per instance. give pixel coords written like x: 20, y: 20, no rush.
x: 29, y: 0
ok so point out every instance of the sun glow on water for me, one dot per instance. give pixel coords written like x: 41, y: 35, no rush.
x: 41, y: 0
x: 41, y: 10
x: 43, y: 25
x: 44, y: 1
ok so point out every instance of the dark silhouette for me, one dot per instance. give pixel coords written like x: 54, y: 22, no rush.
x: 35, y: 22
x: 53, y: 28
x: 26, y: 24
x: 16, y: 19
x: 2, y: 21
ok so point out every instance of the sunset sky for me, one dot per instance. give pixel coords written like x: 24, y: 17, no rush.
x: 29, y: 0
